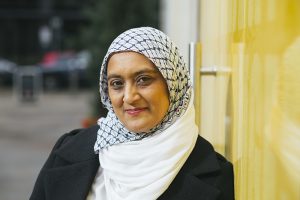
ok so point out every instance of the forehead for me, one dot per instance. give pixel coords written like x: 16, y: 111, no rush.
x: 123, y: 62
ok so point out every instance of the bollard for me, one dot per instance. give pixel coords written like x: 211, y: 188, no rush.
x: 28, y: 83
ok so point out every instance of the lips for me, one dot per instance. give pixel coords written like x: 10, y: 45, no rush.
x: 134, y: 111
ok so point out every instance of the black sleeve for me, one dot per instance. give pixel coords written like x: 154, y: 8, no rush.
x: 38, y: 192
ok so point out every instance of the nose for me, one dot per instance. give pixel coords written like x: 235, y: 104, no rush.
x: 131, y: 94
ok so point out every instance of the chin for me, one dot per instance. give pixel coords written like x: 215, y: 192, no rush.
x: 138, y: 129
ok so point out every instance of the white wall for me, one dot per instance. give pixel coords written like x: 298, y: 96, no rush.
x: 180, y: 21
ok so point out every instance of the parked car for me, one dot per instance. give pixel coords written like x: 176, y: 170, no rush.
x: 63, y: 70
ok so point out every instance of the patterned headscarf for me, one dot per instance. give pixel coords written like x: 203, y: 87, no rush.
x: 158, y: 48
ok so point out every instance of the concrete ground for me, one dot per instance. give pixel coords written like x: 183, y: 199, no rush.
x: 28, y: 132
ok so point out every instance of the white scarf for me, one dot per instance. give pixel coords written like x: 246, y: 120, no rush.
x: 144, y: 169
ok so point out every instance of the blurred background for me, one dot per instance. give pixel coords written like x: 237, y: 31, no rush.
x: 50, y: 53
x: 243, y: 57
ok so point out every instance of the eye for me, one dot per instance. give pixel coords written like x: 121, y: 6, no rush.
x: 144, y: 80
x: 116, y: 84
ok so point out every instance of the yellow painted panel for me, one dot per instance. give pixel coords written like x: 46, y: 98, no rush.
x: 252, y: 115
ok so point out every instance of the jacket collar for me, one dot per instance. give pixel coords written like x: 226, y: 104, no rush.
x: 203, y: 165
x: 76, y: 166
x: 80, y: 147
x: 201, y: 161
x: 74, y: 178
x: 191, y: 182
x: 203, y: 158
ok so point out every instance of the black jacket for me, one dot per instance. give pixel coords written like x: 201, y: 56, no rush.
x: 72, y: 165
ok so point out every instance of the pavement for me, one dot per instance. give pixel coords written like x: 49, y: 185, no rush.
x: 28, y: 132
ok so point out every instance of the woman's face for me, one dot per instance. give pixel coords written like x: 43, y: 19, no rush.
x: 137, y: 90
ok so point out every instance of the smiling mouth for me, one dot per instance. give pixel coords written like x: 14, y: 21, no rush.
x: 135, y: 111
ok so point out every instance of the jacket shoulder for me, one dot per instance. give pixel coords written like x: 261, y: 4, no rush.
x: 71, y: 147
x: 223, y: 177
x: 225, y: 180
x: 205, y: 175
x: 73, y: 135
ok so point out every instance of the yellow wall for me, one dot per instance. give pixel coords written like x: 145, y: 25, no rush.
x: 252, y: 113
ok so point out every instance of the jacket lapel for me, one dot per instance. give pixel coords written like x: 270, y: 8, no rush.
x: 70, y: 182
x: 194, y: 188
x: 76, y: 167
x: 192, y: 182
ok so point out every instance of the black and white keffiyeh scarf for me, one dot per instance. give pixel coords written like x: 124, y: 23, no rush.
x: 157, y: 47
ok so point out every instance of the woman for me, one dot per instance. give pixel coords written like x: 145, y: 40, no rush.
x: 148, y: 146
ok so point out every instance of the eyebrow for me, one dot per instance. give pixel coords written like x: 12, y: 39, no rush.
x: 151, y: 71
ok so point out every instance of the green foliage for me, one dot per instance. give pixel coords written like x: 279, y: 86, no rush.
x: 106, y: 20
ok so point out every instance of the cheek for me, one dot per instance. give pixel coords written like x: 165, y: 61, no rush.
x: 115, y: 98
x: 165, y: 93
x: 161, y: 99
x: 164, y: 104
